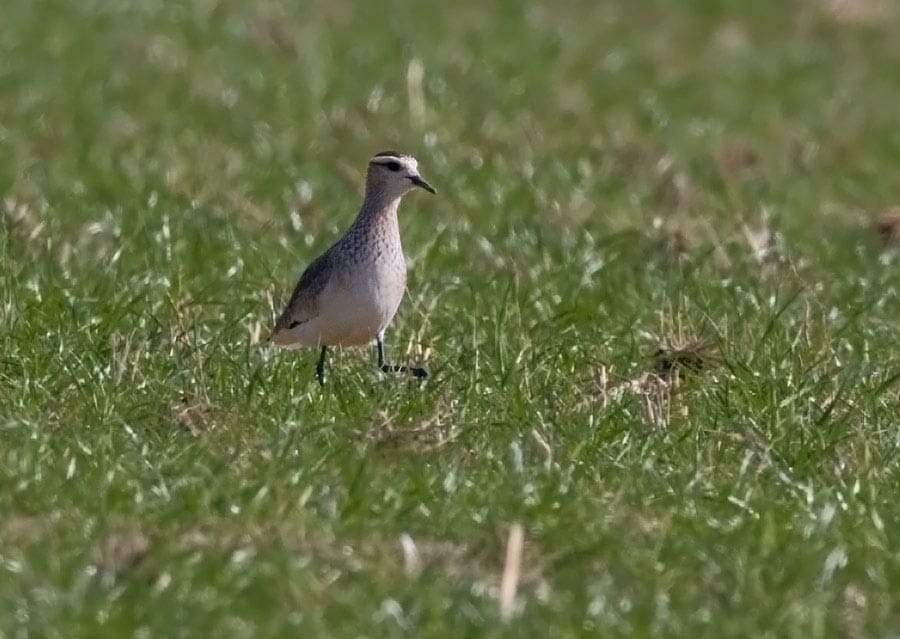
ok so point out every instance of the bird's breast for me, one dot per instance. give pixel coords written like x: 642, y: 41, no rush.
x: 361, y: 300
x: 377, y: 284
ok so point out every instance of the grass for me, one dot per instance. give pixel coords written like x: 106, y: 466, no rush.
x: 661, y: 325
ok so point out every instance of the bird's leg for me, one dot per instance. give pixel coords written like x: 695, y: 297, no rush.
x: 379, y: 341
x: 320, y: 366
x: 388, y: 368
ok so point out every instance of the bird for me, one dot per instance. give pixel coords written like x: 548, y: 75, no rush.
x: 348, y: 295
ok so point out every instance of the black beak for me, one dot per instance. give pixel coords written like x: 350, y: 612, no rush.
x: 418, y: 181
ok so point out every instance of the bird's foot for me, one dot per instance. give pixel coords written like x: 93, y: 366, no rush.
x: 420, y: 373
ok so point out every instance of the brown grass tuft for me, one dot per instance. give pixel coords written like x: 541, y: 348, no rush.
x: 422, y: 435
x: 765, y: 242
x: 674, y: 189
x: 668, y: 241
x: 19, y: 529
x: 512, y: 568
x: 196, y: 415
x: 737, y: 159
x: 274, y: 33
x: 655, y: 394
x: 120, y: 553
x: 856, y: 11
x: 887, y: 227
x: 659, y: 390
x: 692, y: 355
x: 23, y: 221
x: 449, y: 558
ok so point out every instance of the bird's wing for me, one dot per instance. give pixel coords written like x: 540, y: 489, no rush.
x: 304, y: 302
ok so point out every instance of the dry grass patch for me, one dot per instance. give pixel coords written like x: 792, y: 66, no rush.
x: 737, y: 159
x: 857, y: 11
x: 420, y: 435
x: 200, y: 416
x: 119, y: 554
x: 24, y: 222
x: 672, y: 359
x: 887, y: 227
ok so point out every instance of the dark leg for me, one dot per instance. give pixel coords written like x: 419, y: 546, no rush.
x: 320, y: 366
x: 380, y: 344
x: 388, y: 368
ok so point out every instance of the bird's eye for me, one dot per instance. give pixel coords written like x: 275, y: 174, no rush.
x: 393, y: 166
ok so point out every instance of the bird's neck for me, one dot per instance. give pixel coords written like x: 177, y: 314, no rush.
x: 378, y: 210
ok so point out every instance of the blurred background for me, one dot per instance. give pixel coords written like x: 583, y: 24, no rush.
x: 627, y: 189
x: 596, y: 114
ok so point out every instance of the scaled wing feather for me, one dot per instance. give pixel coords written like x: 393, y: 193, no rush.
x: 304, y: 302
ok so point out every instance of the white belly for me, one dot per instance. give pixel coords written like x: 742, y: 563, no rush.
x: 354, y: 307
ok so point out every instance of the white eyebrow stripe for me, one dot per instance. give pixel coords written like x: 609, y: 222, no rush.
x: 386, y: 159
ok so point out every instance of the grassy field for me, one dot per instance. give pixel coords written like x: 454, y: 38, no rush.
x: 661, y: 328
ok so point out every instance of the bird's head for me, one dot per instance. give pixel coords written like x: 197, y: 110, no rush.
x: 394, y: 174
